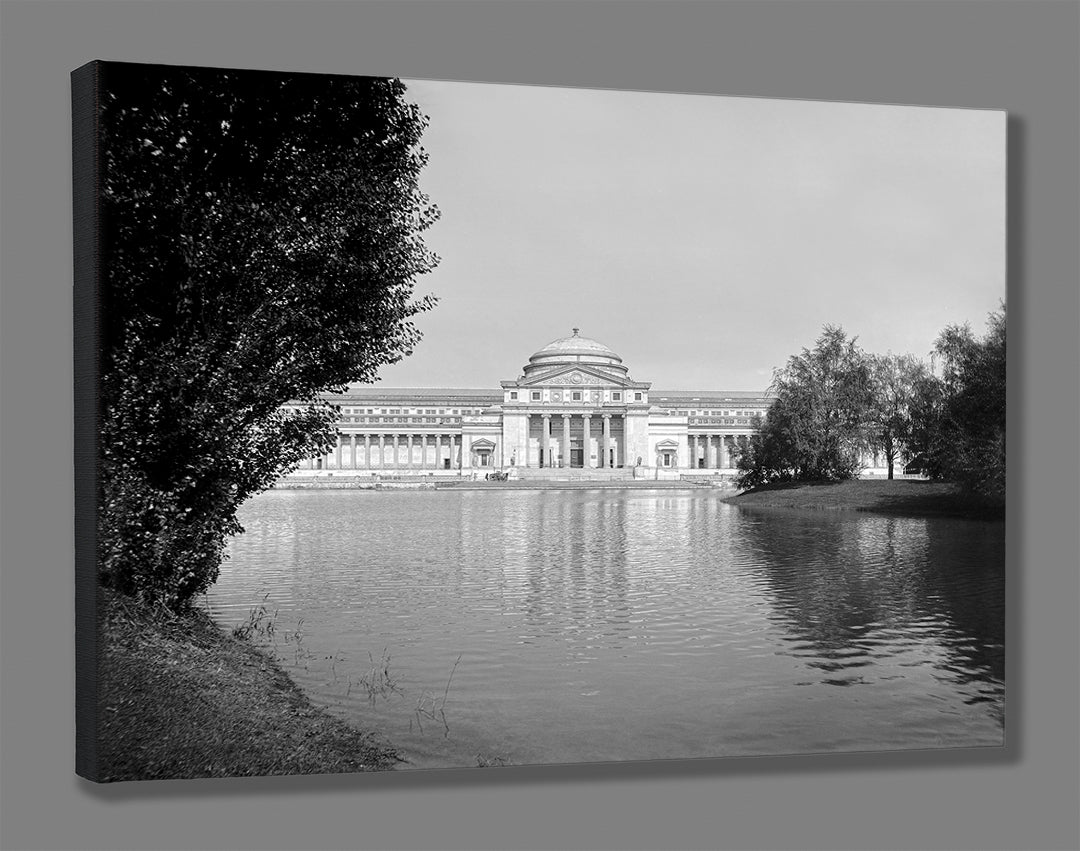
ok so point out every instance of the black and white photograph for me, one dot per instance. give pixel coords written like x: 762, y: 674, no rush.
x: 431, y: 424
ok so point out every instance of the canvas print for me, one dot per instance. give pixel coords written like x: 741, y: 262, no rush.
x: 449, y: 425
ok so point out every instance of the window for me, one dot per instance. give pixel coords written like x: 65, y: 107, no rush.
x: 513, y: 394
x: 535, y: 395
x: 576, y: 396
x: 637, y: 397
x: 616, y: 397
x: 454, y: 411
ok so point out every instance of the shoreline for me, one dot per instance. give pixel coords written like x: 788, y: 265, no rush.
x: 895, y: 497
x: 179, y: 698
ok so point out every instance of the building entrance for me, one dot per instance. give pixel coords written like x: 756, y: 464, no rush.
x: 577, y: 457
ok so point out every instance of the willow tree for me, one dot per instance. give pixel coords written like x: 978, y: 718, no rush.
x: 262, y: 239
x: 816, y: 427
x: 897, y: 380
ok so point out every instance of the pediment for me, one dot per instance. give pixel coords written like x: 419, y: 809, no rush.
x: 577, y: 375
x: 668, y: 444
x: 482, y: 443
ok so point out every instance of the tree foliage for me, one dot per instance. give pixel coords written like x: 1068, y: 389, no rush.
x: 895, y: 380
x: 834, y: 402
x: 961, y: 414
x: 816, y: 427
x: 262, y: 238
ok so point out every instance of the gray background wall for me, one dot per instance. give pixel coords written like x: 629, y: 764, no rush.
x: 1022, y: 57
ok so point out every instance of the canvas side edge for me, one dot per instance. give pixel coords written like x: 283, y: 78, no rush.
x: 86, y: 296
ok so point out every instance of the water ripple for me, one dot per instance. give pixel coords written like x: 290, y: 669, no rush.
x: 627, y: 625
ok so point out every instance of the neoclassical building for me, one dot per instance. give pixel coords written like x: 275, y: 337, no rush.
x: 574, y: 405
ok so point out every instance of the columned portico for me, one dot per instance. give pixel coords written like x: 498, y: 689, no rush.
x: 605, y: 442
x: 545, y: 441
x: 565, y: 460
x: 586, y: 442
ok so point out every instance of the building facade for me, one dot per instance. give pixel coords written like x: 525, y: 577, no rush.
x: 574, y: 406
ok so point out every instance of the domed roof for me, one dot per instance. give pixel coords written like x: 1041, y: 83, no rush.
x: 575, y: 345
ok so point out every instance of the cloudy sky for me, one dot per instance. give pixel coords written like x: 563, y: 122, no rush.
x: 705, y: 239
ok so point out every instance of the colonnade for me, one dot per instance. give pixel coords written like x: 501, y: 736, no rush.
x: 372, y: 450
x: 715, y: 450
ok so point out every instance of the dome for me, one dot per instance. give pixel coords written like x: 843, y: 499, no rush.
x: 567, y: 348
x: 574, y: 350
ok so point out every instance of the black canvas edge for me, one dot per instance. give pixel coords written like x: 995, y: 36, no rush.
x: 86, y: 307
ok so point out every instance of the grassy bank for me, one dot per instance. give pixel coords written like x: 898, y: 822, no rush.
x: 909, y: 497
x: 181, y: 698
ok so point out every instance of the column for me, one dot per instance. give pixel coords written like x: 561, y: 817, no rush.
x: 408, y: 451
x: 453, y: 463
x: 423, y: 452
x: 605, y: 441
x: 725, y: 458
x: 438, y: 452
x: 586, y: 462
x: 710, y: 453
x: 352, y: 451
x: 367, y: 451
x: 337, y: 450
x: 545, y: 440
x: 566, y: 440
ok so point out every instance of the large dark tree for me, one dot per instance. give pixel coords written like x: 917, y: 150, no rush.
x: 960, y: 420
x: 816, y: 427
x: 262, y: 237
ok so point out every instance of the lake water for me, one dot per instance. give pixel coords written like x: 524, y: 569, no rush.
x: 526, y: 627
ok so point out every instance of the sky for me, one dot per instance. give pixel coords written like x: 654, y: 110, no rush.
x: 705, y: 239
